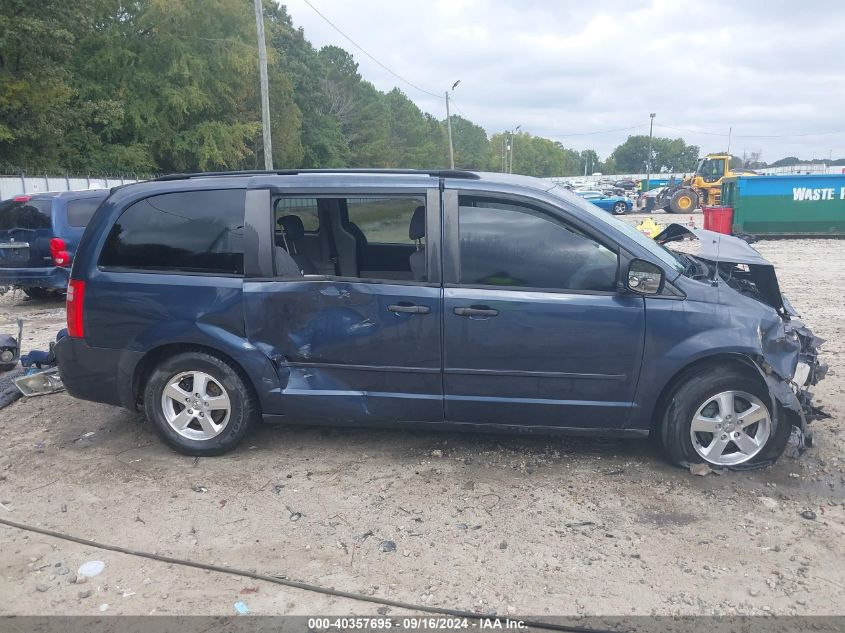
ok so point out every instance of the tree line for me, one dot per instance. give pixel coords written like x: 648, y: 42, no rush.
x: 154, y: 86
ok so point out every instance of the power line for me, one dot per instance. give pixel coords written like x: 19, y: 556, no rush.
x: 358, y: 46
x: 722, y: 134
x: 620, y: 129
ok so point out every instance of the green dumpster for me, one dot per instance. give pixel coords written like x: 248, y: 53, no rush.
x: 787, y: 206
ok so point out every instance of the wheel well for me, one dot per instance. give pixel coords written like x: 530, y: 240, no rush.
x: 155, y: 356
x: 742, y: 364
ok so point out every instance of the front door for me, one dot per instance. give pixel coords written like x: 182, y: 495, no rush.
x: 535, y: 332
x: 352, y: 348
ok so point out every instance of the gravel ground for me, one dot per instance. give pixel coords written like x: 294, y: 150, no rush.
x: 527, y: 525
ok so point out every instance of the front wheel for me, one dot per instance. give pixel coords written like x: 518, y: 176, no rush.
x: 198, y: 404
x: 620, y: 208
x: 723, y: 418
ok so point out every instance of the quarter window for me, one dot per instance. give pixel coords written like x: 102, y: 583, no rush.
x: 503, y: 244
x: 80, y: 212
x: 190, y: 232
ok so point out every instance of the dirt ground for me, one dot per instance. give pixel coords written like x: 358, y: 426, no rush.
x: 525, y: 525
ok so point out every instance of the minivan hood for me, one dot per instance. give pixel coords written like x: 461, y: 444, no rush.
x: 714, y: 246
x: 721, y: 249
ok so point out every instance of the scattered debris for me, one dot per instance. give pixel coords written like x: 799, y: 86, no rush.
x: 40, y: 383
x: 769, y: 503
x: 91, y: 568
x: 247, y: 590
x: 84, y: 593
x: 294, y: 516
x: 616, y: 471
x: 387, y: 546
x: 10, y: 348
x: 503, y: 545
x: 241, y: 608
x: 809, y: 515
x: 701, y: 469
x: 42, y: 587
x: 580, y: 524
x: 103, y: 607
x: 199, y: 488
x: 437, y: 453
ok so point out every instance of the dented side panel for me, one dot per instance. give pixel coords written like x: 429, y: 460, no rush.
x: 343, y: 355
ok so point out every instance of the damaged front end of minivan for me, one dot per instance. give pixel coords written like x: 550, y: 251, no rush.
x: 788, y: 351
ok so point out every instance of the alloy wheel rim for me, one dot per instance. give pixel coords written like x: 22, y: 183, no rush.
x: 619, y: 208
x: 196, y: 405
x: 730, y: 428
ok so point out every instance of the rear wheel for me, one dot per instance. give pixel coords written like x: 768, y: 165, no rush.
x: 683, y: 201
x: 620, y: 208
x: 198, y: 404
x: 725, y: 418
x: 42, y: 293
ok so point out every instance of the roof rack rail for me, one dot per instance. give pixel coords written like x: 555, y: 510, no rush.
x: 438, y: 173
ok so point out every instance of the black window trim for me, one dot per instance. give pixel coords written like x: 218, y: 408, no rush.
x: 451, y: 240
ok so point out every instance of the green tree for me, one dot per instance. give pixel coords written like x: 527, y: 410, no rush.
x: 470, y: 144
x: 669, y: 155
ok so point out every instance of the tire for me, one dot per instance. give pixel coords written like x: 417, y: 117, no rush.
x: 178, y: 424
x: 42, y: 294
x: 695, y: 399
x: 683, y: 201
x: 620, y: 208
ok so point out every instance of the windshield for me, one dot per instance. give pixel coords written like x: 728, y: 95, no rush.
x: 710, y: 169
x: 661, y: 252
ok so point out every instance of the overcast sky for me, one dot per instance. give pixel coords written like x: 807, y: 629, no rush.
x: 565, y: 67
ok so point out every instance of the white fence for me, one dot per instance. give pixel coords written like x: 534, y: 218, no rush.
x: 17, y: 185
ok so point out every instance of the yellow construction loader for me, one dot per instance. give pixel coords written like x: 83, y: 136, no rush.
x: 703, y: 188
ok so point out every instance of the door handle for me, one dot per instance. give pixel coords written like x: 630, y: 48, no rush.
x: 476, y: 311
x: 409, y: 308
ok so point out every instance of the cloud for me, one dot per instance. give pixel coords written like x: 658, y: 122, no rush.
x: 760, y: 67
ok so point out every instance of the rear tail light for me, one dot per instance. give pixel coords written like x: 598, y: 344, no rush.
x: 21, y: 198
x: 58, y: 251
x: 75, y: 299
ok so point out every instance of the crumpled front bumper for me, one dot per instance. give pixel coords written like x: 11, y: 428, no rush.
x: 799, y: 350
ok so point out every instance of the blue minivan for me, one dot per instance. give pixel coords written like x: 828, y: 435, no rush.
x: 39, y: 234
x: 444, y: 299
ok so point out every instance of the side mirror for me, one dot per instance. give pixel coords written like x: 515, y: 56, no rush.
x: 645, y: 278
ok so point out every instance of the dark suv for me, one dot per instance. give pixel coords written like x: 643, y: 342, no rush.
x: 449, y: 299
x: 38, y: 236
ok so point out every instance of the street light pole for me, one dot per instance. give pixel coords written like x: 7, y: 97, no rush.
x: 449, y: 127
x: 648, y: 161
x: 265, y: 90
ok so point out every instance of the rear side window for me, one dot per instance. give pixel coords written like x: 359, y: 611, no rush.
x: 383, y: 220
x: 188, y: 231
x: 25, y: 213
x: 80, y: 212
x: 304, y: 208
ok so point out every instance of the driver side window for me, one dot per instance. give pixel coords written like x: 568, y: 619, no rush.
x: 505, y: 244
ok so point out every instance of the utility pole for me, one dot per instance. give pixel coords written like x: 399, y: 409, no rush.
x: 730, y: 133
x: 513, y: 146
x: 648, y: 161
x: 449, y: 127
x: 265, y: 89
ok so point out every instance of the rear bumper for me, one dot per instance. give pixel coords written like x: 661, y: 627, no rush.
x: 96, y: 373
x: 47, y: 277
